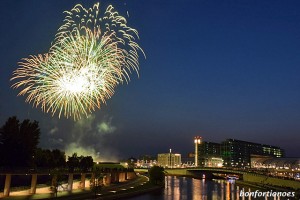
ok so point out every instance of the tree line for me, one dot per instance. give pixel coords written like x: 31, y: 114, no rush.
x: 19, y: 149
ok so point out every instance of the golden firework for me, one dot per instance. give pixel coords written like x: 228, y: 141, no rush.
x: 90, y: 56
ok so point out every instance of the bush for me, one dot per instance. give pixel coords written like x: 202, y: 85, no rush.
x: 157, y: 175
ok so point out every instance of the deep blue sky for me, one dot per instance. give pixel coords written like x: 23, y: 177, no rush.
x: 218, y: 69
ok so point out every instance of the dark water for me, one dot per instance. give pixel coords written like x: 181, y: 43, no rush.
x: 182, y: 188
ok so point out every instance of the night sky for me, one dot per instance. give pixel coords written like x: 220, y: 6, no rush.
x: 217, y: 69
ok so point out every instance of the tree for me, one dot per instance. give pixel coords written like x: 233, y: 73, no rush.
x: 50, y: 159
x: 41, y: 158
x: 86, y: 163
x: 18, y: 142
x: 97, y: 183
x: 156, y: 175
x: 57, y: 178
x: 59, y: 158
x: 73, y: 162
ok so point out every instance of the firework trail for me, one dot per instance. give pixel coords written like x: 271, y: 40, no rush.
x: 92, y: 53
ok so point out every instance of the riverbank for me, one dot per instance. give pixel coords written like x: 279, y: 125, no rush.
x: 137, y: 186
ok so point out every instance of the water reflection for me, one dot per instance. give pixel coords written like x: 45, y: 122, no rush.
x: 182, y: 188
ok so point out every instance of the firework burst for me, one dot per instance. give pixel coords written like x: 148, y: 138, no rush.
x: 92, y: 53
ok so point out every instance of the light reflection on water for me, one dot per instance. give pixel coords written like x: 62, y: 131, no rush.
x: 182, y: 188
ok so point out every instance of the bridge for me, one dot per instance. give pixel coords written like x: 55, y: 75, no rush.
x: 199, y: 172
x: 195, y: 172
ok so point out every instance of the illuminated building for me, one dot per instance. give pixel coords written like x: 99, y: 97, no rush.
x: 231, y: 153
x: 211, y: 161
x: 188, y: 160
x: 276, y: 163
x: 145, y: 163
x: 209, y: 149
x: 209, y: 154
x: 237, y: 153
x: 281, y: 167
x: 169, y: 160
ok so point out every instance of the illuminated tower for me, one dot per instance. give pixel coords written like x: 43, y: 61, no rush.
x: 170, y: 165
x: 197, y: 141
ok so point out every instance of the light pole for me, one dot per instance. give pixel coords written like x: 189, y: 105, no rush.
x: 197, y: 141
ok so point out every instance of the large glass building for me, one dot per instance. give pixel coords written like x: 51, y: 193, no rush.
x: 233, y: 153
x: 237, y: 153
x: 209, y: 154
x: 209, y: 149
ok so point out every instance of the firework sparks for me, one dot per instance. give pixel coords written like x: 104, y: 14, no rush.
x: 92, y: 53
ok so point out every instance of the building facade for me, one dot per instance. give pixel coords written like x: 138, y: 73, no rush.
x: 207, y: 154
x: 169, y: 160
x: 210, y: 154
x: 237, y: 153
x: 188, y: 160
x: 232, y: 153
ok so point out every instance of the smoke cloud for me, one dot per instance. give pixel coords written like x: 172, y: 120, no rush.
x: 85, y: 137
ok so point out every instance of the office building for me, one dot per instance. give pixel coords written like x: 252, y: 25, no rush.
x: 237, y: 153
x: 231, y: 153
x: 169, y: 160
x: 207, y: 154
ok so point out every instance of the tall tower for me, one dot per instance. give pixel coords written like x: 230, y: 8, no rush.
x: 170, y: 157
x: 197, y: 141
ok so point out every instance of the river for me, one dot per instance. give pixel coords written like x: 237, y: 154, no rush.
x: 183, y: 188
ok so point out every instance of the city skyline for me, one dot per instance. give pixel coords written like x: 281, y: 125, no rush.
x: 215, y: 69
